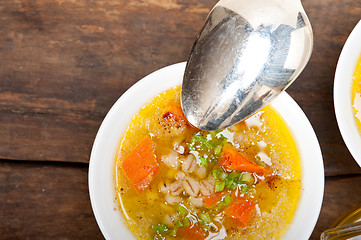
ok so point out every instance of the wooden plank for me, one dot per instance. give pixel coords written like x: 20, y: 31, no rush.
x: 341, y: 195
x: 47, y: 137
x: 76, y: 57
x: 45, y: 201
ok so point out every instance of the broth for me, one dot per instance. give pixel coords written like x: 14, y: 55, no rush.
x: 195, y: 189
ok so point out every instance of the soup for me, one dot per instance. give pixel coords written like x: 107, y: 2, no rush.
x: 177, y: 182
x: 356, y: 94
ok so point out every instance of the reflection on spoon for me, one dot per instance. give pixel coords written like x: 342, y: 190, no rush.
x: 245, y: 55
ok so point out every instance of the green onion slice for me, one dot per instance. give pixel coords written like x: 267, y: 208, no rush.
x: 205, y: 217
x: 219, y: 186
x: 227, y: 199
x: 186, y: 222
x: 182, y: 210
x: 160, y: 227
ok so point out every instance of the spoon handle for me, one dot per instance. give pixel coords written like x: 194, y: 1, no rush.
x: 343, y: 232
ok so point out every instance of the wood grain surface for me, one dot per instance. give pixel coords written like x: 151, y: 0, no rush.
x: 65, y: 62
x: 45, y: 202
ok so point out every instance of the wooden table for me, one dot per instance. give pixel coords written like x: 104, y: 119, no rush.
x: 65, y: 62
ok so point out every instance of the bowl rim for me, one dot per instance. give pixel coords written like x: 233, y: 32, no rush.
x: 345, y: 68
x: 102, y: 159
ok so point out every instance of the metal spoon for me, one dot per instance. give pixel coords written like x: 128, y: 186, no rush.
x: 246, y: 54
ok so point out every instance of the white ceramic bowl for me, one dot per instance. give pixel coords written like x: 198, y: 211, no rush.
x: 342, y: 92
x: 102, y: 160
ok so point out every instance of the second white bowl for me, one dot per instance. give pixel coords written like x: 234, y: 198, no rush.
x: 342, y: 93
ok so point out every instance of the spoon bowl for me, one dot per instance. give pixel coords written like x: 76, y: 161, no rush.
x: 245, y: 55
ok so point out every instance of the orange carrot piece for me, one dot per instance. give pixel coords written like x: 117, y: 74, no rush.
x: 212, y: 199
x: 174, y: 112
x: 231, y: 160
x: 141, y: 166
x: 193, y: 232
x: 241, y: 210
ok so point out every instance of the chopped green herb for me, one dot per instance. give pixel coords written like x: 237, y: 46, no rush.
x: 160, y: 227
x: 212, y: 159
x: 229, y: 183
x: 234, y: 185
x: 206, y: 227
x: 209, y: 148
x: 233, y: 175
x: 218, y: 149
x: 220, y: 206
x: 204, y: 161
x: 222, y: 175
x: 199, y: 138
x: 231, y: 180
x: 173, y: 232
x: 244, y: 188
x: 208, y: 144
x: 247, y: 177
x: 205, y: 217
x: 182, y: 210
x: 191, y: 147
x: 219, y: 174
x: 213, y: 133
x: 219, y: 186
x: 215, y: 173
x: 179, y: 223
x: 227, y: 199
x: 186, y: 222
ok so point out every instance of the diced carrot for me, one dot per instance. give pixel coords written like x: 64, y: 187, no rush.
x: 211, y: 200
x: 141, y: 166
x: 193, y: 232
x: 174, y: 112
x: 231, y: 160
x: 241, y: 210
